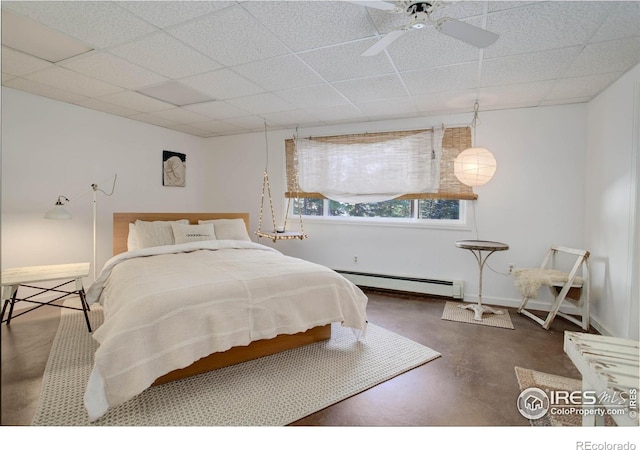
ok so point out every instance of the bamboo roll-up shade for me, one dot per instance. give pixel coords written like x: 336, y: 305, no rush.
x: 455, y: 140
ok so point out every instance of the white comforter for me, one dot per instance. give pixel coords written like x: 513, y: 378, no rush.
x: 166, y: 307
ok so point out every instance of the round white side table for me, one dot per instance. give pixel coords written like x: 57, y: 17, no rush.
x: 477, y: 247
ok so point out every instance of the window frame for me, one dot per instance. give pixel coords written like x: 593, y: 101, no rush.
x: 399, y: 222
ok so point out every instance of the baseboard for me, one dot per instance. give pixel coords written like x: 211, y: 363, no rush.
x: 440, y: 288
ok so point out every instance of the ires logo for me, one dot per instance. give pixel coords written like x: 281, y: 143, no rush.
x: 573, y: 398
x: 534, y: 403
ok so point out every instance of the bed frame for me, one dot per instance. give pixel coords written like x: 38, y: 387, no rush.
x: 234, y: 355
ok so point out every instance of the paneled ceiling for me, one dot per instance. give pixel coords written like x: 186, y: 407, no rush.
x: 300, y: 63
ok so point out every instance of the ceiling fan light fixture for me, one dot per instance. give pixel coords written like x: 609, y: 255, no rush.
x: 419, y: 15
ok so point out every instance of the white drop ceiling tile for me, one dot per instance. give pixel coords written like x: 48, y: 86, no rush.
x: 23, y: 84
x: 190, y: 129
x: 427, y: 47
x: 588, y: 86
x: 334, y: 113
x: 98, y: 23
x: 222, y: 84
x: 460, y: 10
x: 18, y: 63
x: 261, y: 103
x: 565, y: 101
x: 610, y: 56
x: 279, y: 73
x: 450, y: 102
x: 35, y: 39
x: 344, y: 62
x: 307, y: 25
x: 164, y: 14
x: 250, y: 122
x: 217, y: 110
x: 391, y: 106
x: 311, y: 96
x: 514, y: 95
x: 114, y: 70
x: 441, y: 79
x: 6, y: 77
x: 502, y: 5
x: 372, y: 88
x: 165, y: 55
x: 623, y: 22
x: 296, y: 116
x: 66, y: 79
x: 110, y: 108
x: 556, y: 24
x: 137, y: 102
x: 181, y: 115
x: 223, y: 36
x: 217, y: 126
x: 545, y: 65
x: 153, y: 119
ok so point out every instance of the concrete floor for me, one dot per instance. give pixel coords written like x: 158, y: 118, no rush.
x: 472, y: 384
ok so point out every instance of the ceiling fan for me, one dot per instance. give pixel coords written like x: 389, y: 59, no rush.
x: 419, y: 17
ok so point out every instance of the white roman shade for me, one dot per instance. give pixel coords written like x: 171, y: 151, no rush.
x: 373, y: 167
x: 367, y: 172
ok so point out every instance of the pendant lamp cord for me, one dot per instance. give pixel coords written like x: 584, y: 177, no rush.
x: 475, y: 121
x: 266, y: 147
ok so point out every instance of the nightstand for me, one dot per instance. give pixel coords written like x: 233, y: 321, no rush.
x: 12, y: 279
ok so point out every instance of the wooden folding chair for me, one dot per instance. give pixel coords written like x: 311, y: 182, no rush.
x: 572, y: 286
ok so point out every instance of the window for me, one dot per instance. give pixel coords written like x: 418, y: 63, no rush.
x: 428, y: 209
x: 443, y: 205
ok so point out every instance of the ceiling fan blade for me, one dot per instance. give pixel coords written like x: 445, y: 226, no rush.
x: 382, y: 5
x: 384, y: 42
x: 470, y: 34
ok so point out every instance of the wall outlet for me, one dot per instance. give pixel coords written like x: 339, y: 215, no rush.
x: 355, y: 260
x: 511, y: 267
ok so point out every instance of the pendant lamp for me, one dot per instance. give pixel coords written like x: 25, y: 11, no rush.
x: 476, y: 165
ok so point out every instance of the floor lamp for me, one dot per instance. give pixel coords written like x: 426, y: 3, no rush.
x: 59, y: 212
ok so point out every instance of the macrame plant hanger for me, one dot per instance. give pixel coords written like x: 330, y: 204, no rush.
x: 278, y: 233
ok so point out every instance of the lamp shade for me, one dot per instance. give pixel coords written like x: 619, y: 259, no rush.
x: 57, y: 212
x: 474, y: 166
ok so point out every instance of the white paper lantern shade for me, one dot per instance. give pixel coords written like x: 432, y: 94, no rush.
x: 474, y: 166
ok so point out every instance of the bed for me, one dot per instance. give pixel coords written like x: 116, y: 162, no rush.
x: 208, y: 299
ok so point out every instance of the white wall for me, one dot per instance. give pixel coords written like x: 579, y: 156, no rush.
x: 611, y: 217
x: 50, y: 148
x: 535, y: 199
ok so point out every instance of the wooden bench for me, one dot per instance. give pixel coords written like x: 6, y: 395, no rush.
x: 609, y: 366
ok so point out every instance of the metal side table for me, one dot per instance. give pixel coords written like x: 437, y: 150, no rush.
x: 477, y: 247
x: 12, y: 279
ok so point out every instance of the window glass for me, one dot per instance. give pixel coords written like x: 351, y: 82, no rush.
x: 445, y: 210
x: 439, y: 209
x: 390, y: 208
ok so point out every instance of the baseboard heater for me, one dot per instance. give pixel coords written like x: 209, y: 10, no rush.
x: 444, y: 288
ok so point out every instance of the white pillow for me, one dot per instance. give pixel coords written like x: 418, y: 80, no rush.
x: 191, y: 233
x: 158, y: 232
x: 233, y: 229
x: 132, y: 239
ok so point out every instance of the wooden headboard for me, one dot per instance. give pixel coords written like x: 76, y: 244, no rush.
x: 121, y: 223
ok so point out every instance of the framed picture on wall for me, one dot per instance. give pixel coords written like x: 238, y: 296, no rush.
x: 174, y: 169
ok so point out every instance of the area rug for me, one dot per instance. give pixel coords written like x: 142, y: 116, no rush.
x: 528, y: 378
x: 271, y: 391
x: 453, y: 312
